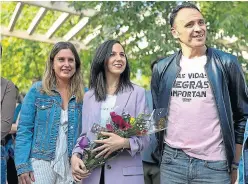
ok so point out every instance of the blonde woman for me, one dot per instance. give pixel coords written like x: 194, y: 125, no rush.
x: 50, y: 120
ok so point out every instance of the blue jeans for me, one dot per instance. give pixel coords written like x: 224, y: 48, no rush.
x: 3, y: 165
x: 179, y: 168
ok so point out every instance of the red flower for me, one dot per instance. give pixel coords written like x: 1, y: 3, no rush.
x: 109, y: 127
x: 118, y: 120
x: 126, y: 126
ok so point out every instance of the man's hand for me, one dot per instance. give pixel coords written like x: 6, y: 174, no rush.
x: 79, y: 170
x: 26, y: 178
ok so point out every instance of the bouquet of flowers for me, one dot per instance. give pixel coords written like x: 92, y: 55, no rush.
x: 125, y: 126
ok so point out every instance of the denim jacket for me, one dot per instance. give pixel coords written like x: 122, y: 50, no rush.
x: 243, y: 164
x: 38, y: 127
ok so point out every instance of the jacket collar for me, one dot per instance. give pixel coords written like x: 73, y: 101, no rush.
x: 179, y: 55
x: 120, y: 105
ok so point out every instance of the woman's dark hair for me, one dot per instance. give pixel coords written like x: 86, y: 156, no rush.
x: 178, y: 8
x: 97, y: 74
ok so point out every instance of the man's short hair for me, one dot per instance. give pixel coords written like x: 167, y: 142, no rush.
x: 178, y: 8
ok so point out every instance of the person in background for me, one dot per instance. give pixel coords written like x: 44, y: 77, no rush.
x: 243, y: 164
x: 111, y: 89
x: 50, y: 120
x: 150, y: 162
x: 8, y: 101
x: 10, y: 143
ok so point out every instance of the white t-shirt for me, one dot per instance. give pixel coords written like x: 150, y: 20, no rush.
x: 193, y: 121
x: 107, y: 107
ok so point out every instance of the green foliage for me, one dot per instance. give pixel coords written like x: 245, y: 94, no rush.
x: 147, y: 22
x: 23, y: 61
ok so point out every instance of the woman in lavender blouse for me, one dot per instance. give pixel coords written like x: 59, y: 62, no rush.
x: 110, y: 89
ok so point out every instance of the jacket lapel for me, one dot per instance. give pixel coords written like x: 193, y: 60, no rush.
x: 96, y: 111
x: 120, y: 104
x: 122, y: 101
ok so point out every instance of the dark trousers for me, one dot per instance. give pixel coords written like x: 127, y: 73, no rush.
x: 102, y: 176
x: 11, y: 172
x: 151, y: 173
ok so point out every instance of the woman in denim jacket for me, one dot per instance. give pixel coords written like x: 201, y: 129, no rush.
x: 50, y: 120
x: 111, y: 90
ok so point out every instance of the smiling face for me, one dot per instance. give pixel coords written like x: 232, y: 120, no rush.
x: 64, y: 64
x: 190, y: 28
x: 116, y: 63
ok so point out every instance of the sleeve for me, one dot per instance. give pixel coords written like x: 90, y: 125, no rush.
x: 84, y: 122
x: 239, y: 100
x: 25, y: 133
x: 8, y: 109
x: 138, y: 144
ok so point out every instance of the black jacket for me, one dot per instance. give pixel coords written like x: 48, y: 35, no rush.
x: 229, y: 88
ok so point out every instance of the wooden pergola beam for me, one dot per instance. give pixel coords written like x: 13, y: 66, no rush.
x: 36, y: 20
x: 15, y: 16
x: 76, y: 28
x: 91, y: 36
x: 36, y: 37
x: 57, y: 24
x: 62, y: 7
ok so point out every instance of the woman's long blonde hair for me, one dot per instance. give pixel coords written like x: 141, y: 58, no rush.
x: 49, y: 78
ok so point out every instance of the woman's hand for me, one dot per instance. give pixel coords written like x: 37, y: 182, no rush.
x: 26, y: 178
x: 79, y: 170
x: 111, y: 144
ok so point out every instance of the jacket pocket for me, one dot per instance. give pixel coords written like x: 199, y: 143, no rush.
x: 43, y: 122
x: 43, y: 108
x: 39, y: 138
x: 43, y: 104
x: 132, y: 171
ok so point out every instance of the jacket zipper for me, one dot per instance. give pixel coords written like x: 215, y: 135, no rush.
x: 218, y: 113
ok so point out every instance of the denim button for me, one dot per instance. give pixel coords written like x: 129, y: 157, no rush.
x: 108, y: 166
x: 71, y: 127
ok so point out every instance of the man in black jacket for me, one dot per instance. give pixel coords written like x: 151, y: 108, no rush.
x: 205, y: 96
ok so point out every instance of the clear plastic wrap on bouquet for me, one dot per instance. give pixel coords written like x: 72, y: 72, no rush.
x: 125, y: 126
